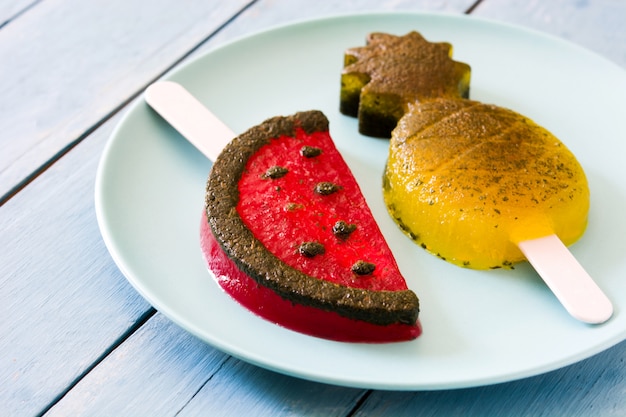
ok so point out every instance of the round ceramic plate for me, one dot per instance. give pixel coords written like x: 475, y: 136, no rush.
x: 480, y: 327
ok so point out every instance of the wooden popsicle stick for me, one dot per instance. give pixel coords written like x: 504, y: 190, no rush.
x: 567, y: 279
x: 189, y: 117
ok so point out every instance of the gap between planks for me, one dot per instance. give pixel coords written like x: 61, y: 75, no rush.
x: 143, y: 319
x: 18, y: 13
x: 50, y: 162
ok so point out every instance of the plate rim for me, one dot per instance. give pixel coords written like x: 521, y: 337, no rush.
x: 245, y: 355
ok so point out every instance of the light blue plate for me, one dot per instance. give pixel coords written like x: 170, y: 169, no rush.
x: 480, y: 327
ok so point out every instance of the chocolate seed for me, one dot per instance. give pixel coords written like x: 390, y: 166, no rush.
x: 363, y: 268
x: 310, y: 151
x: 275, y: 172
x: 343, y: 230
x: 326, y: 188
x: 310, y: 249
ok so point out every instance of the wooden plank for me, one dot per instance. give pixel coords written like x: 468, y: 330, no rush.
x: 592, y: 387
x: 10, y: 10
x: 268, y: 393
x: 597, y: 25
x: 63, y: 302
x: 165, y: 371
x: 266, y: 14
x: 173, y: 366
x: 66, y: 64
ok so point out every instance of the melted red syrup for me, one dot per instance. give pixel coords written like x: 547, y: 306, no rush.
x: 308, y: 320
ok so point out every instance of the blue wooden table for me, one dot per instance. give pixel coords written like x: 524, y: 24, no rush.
x: 75, y: 337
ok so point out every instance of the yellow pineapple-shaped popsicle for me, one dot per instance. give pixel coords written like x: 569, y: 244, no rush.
x: 468, y: 181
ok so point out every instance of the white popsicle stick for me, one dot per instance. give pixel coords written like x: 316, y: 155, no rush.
x: 567, y: 279
x: 189, y: 117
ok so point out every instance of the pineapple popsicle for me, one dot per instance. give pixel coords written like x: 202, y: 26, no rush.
x: 468, y: 181
x: 477, y: 185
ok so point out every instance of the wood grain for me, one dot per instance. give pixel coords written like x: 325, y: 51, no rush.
x: 166, y: 369
x: 266, y: 14
x: 63, y: 302
x: 598, y: 25
x: 57, y: 84
x: 593, y: 387
x: 10, y: 10
x: 158, y: 370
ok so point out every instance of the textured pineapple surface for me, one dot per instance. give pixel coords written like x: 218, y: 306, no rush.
x: 467, y: 181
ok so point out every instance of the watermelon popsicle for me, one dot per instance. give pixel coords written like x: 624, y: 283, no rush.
x: 321, y: 266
